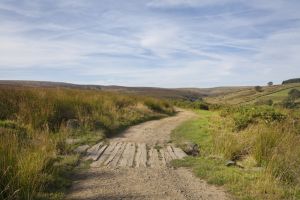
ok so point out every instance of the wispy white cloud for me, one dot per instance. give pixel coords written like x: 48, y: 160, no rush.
x: 170, y: 43
x: 189, y: 3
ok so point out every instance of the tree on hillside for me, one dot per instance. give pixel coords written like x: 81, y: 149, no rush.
x: 270, y: 83
x: 258, y: 88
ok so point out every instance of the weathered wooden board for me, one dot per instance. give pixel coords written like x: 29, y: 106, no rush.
x: 141, y: 155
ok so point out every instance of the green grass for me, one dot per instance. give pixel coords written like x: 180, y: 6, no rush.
x: 214, y: 171
x: 279, y: 96
x: 196, y: 130
x: 252, y: 181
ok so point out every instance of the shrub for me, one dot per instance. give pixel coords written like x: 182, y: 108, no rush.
x: 294, y: 94
x: 289, y: 103
x: 243, y: 116
x: 258, y: 89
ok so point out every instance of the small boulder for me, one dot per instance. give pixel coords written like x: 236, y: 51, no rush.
x: 230, y: 163
x: 73, y: 124
x: 191, y: 148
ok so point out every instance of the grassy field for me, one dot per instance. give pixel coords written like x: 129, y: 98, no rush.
x: 266, y: 153
x: 249, y: 95
x: 40, y: 127
x: 278, y: 96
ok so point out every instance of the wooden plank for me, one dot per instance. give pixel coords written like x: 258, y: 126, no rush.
x: 131, y: 156
x: 94, y: 148
x: 138, y: 156
x: 104, y: 155
x: 93, y: 152
x: 128, y: 155
x: 118, y: 155
x: 167, y: 156
x: 179, y: 153
x: 113, y: 153
x: 141, y: 155
x: 95, y: 156
x: 101, y: 150
x: 123, y: 161
x: 171, y: 153
x: 162, y: 155
x: 153, y: 158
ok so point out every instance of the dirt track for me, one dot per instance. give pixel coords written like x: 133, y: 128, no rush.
x: 132, y: 167
x: 156, y: 131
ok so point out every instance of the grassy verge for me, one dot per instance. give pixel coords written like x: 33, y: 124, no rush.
x: 196, y: 130
x: 249, y: 180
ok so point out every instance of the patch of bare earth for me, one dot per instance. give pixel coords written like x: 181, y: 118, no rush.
x: 135, y: 165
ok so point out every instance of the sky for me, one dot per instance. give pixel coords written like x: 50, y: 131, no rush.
x: 158, y: 43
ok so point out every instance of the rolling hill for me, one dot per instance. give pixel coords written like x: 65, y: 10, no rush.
x: 173, y: 93
x: 219, y: 95
x: 249, y: 95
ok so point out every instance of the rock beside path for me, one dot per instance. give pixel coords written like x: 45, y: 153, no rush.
x: 191, y: 148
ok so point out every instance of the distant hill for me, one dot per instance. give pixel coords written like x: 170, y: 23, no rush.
x: 47, y: 84
x: 146, y: 91
x: 220, y: 95
x: 176, y: 93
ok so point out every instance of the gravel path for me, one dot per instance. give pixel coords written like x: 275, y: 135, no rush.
x: 135, y: 165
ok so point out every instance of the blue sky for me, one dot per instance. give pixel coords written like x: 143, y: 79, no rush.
x: 161, y: 43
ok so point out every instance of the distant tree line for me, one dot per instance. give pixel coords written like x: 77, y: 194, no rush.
x: 294, y: 80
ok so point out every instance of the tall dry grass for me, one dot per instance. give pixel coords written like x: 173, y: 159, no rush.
x: 22, y: 162
x: 42, y: 108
